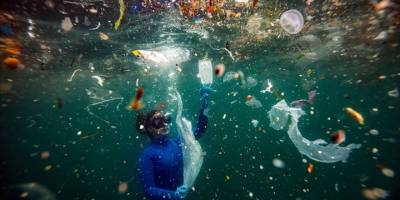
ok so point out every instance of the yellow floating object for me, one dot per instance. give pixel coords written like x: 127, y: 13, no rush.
x: 121, y: 14
x: 136, y: 53
x: 355, y: 115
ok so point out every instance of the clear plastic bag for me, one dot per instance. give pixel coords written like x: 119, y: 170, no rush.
x: 191, y: 149
x: 318, y: 150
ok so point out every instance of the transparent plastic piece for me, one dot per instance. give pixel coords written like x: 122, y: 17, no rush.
x: 205, y: 71
x: 318, y: 150
x: 192, y: 152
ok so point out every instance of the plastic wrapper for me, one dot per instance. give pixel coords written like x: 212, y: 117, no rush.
x: 205, y: 71
x: 191, y: 149
x: 318, y: 150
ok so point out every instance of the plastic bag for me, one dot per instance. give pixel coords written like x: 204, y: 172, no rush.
x: 318, y: 150
x: 205, y: 71
x: 192, y: 152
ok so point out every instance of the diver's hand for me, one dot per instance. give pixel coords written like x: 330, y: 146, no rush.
x: 181, y: 192
x: 204, y: 96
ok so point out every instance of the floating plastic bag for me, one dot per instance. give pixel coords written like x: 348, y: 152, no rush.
x: 318, y: 150
x: 191, y: 149
x: 162, y: 56
x: 153, y: 56
x: 292, y: 21
x: 205, y: 71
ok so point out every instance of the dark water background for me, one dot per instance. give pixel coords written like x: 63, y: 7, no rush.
x: 91, y: 165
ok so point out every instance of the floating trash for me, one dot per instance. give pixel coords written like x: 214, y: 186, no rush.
x: 278, y: 163
x: 44, y: 155
x: 338, y: 137
x: 103, y: 36
x: 374, y: 193
x: 99, y: 79
x: 219, y: 70
x: 230, y: 76
x: 374, y: 132
x: 136, y: 103
x: 121, y: 14
x: 122, y: 187
x: 254, y: 122
x: 253, y: 102
x: 318, y: 150
x: 310, y: 168
x: 31, y: 190
x: 387, y: 172
x: 251, y: 82
x: 355, y: 115
x: 394, y: 93
x: 292, y: 21
x: 205, y: 71
x: 268, y: 88
x: 66, y: 24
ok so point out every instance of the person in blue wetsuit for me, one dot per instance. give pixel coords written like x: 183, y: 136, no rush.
x: 161, y: 163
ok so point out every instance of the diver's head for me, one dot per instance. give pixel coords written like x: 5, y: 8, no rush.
x: 154, y: 123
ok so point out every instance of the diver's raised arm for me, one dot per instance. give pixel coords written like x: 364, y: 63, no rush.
x: 203, y: 118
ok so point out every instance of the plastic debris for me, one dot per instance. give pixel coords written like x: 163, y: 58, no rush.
x: 374, y: 132
x: 355, y: 115
x: 251, y: 82
x: 193, y: 154
x: 319, y: 150
x: 13, y: 63
x: 122, y: 187
x: 31, y: 190
x: 164, y: 56
x: 374, y: 193
x: 254, y: 122
x: 136, y: 103
x: 299, y: 103
x: 387, y: 172
x: 229, y: 76
x: 394, y: 93
x: 310, y: 168
x: 302, y: 102
x: 381, y: 36
x: 292, y: 21
x: 103, y: 36
x: 97, y: 26
x: 73, y: 75
x: 278, y: 163
x: 44, y: 155
x: 338, y: 137
x: 205, y: 71
x: 268, y: 88
x: 99, y: 80
x: 121, y: 14
x: 253, y: 102
x: 66, y: 24
x: 219, y: 70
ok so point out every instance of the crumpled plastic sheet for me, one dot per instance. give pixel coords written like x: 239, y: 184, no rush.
x: 164, y: 56
x: 192, y: 152
x: 318, y: 150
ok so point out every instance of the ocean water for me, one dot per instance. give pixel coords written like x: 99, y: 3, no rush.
x: 50, y: 138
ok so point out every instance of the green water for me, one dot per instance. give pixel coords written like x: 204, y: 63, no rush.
x: 89, y: 158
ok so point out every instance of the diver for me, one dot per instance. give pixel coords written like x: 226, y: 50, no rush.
x: 161, y: 163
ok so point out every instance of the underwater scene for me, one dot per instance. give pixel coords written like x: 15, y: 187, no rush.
x: 199, y: 99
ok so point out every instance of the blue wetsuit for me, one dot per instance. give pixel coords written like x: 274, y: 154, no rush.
x: 161, y: 163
